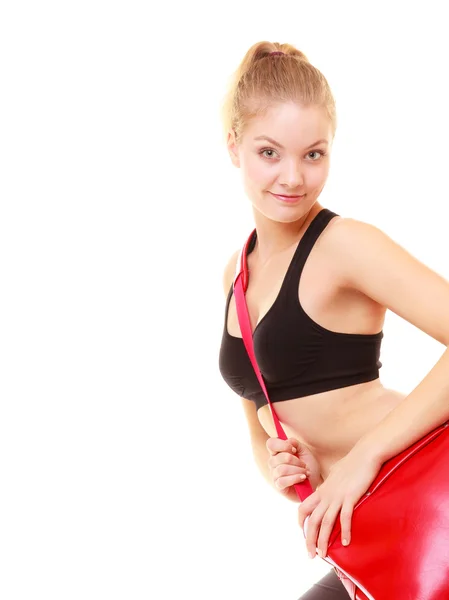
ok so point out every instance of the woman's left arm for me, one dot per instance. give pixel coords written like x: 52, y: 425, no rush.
x: 380, y: 268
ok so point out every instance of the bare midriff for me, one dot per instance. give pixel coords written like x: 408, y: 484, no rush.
x: 331, y: 423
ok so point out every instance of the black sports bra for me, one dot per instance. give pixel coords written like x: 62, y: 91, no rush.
x: 297, y: 356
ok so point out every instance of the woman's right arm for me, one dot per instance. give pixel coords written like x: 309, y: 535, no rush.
x: 271, y: 464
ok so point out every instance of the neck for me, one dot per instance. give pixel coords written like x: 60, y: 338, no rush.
x: 274, y: 238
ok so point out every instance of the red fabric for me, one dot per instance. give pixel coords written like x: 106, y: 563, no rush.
x: 399, y: 546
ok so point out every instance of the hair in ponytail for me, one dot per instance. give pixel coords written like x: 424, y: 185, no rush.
x: 271, y: 73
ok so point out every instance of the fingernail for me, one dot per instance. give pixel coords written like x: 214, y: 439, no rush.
x: 302, y: 476
x: 320, y: 553
x: 345, y: 543
x: 311, y: 555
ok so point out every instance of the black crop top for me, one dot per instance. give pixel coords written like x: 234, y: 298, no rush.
x: 297, y: 356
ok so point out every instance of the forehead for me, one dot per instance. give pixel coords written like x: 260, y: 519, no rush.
x: 290, y: 124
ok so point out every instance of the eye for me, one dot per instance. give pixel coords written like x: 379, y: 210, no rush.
x: 269, y: 156
x: 320, y: 152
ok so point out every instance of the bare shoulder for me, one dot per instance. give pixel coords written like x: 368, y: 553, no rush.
x: 229, y: 272
x: 354, y: 240
x: 346, y: 231
x: 346, y: 240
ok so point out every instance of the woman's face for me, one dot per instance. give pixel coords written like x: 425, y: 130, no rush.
x: 293, y: 162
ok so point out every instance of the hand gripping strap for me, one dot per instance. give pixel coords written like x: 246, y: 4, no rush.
x: 303, y: 490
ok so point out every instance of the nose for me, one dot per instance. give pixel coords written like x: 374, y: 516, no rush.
x: 292, y: 175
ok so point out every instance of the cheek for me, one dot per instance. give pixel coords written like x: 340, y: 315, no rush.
x: 317, y: 176
x: 257, y: 171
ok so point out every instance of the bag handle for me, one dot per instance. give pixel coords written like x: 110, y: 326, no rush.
x: 303, y: 490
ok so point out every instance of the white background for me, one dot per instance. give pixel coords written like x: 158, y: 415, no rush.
x: 125, y: 465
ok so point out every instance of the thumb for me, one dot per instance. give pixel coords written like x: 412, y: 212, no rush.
x: 296, y: 446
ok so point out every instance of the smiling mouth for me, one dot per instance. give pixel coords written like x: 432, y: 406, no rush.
x: 288, y: 196
x: 295, y: 197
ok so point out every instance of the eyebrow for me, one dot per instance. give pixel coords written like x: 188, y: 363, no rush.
x: 275, y: 143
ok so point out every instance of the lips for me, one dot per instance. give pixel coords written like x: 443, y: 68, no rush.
x: 287, y: 198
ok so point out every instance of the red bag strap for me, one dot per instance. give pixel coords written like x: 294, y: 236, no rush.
x: 303, y: 490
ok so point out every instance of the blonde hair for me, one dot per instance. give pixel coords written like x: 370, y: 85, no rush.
x: 263, y: 79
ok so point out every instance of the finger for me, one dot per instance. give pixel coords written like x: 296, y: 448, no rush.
x: 275, y: 445
x: 326, y: 527
x: 285, y: 470
x: 346, y: 521
x: 307, y: 507
x: 295, y: 445
x: 285, y: 458
x: 313, y: 528
x: 286, y: 481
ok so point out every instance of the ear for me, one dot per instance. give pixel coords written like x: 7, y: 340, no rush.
x: 233, y: 149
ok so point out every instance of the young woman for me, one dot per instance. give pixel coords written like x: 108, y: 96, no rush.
x: 319, y: 288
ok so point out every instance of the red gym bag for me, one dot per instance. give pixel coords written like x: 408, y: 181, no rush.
x: 399, y: 546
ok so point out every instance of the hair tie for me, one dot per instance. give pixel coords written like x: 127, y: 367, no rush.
x: 271, y: 53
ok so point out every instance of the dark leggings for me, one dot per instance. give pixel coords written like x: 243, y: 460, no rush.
x: 327, y: 588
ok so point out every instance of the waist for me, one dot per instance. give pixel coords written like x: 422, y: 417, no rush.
x: 331, y: 423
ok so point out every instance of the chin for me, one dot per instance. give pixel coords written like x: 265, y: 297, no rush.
x: 285, y: 214
x: 291, y: 218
